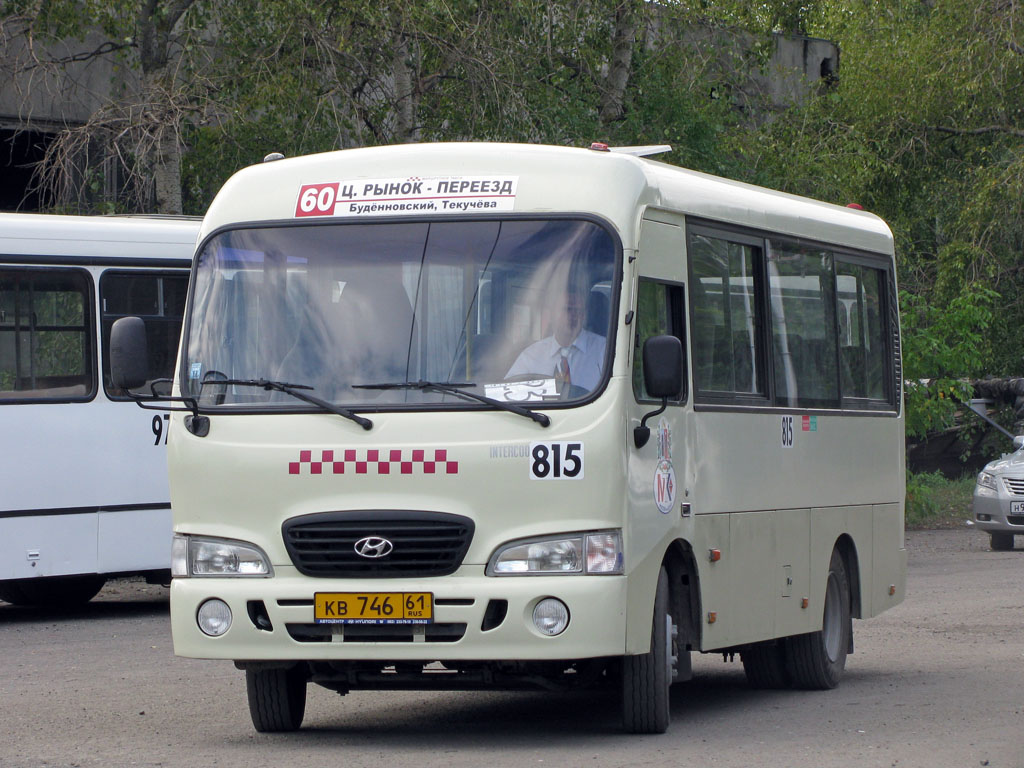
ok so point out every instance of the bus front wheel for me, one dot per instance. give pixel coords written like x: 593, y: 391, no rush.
x: 816, y: 660
x: 277, y: 698
x: 646, y: 678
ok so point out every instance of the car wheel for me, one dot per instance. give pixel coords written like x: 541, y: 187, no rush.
x: 277, y: 698
x: 646, y: 678
x: 817, y: 660
x: 1001, y: 541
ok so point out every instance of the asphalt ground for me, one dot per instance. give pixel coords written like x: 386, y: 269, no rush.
x: 936, y: 682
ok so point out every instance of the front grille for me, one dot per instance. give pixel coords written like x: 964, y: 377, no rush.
x: 1014, y: 485
x: 422, y: 543
x: 1015, y: 519
x: 376, y: 633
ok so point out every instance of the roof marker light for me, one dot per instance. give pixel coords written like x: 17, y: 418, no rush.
x: 598, y: 146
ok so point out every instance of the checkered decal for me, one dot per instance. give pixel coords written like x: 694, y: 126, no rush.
x: 380, y: 462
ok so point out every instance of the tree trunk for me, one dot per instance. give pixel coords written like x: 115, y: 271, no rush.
x: 406, y: 130
x: 619, y: 67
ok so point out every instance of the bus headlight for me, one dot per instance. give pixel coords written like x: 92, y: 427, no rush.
x: 590, y: 553
x: 195, y: 556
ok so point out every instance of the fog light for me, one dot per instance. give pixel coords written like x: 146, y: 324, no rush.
x: 984, y: 518
x: 550, y: 617
x: 214, y: 617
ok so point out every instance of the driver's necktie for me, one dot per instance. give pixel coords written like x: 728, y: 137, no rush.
x: 562, y: 373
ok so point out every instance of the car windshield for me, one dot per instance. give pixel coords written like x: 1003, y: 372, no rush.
x: 512, y: 310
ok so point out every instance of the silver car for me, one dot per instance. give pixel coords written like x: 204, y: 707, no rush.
x: 999, y: 498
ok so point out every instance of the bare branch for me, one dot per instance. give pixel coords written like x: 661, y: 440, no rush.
x: 977, y: 131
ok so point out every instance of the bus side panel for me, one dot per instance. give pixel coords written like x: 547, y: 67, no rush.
x: 134, y: 540
x: 47, y: 545
x: 751, y: 559
x: 889, y: 569
x: 712, y: 532
x: 827, y: 526
x: 792, y: 571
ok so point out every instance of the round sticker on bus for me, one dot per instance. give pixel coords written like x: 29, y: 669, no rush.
x: 665, y: 486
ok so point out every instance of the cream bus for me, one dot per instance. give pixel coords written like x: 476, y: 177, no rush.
x: 483, y: 416
x: 83, y: 480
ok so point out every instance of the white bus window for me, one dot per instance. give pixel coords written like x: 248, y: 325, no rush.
x: 862, y: 349
x: 726, y: 356
x: 45, y: 338
x: 659, y: 311
x: 159, y: 299
x: 803, y: 326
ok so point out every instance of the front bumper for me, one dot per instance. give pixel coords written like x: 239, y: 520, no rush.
x: 993, y: 511
x: 597, y: 608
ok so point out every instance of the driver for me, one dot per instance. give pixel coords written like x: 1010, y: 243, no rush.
x: 574, y: 355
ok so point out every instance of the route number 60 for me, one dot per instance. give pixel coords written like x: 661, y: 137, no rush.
x: 317, y: 199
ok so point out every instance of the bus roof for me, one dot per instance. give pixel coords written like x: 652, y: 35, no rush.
x: 30, y: 234
x: 547, y: 180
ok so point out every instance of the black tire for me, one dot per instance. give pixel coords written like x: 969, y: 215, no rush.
x: 49, y: 591
x: 1001, y: 541
x: 765, y: 665
x: 816, y: 660
x: 277, y: 698
x: 646, y: 678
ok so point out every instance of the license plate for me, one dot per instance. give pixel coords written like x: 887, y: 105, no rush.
x: 1017, y: 507
x: 373, y: 607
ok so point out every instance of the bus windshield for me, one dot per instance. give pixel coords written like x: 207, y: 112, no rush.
x: 364, y: 315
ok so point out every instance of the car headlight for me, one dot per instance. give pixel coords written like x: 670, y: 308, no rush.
x: 196, y: 556
x: 987, y: 480
x: 578, y: 553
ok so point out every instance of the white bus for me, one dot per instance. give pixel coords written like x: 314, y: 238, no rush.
x: 497, y: 416
x: 84, y: 481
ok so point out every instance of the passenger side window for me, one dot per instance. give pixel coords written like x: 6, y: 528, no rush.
x: 862, y: 349
x: 659, y: 311
x: 45, y: 337
x: 727, y: 356
x: 159, y: 299
x: 801, y: 289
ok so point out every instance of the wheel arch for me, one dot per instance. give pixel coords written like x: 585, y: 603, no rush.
x: 684, y: 586
x: 848, y: 551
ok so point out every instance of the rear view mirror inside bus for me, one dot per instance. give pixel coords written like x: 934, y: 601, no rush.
x: 663, y: 366
x: 129, y: 358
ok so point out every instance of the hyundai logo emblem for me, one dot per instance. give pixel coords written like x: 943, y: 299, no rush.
x: 373, y: 547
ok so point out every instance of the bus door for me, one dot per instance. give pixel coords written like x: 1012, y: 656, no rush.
x: 658, y: 470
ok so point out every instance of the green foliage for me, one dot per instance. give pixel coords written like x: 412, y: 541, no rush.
x: 942, y: 347
x: 936, y: 501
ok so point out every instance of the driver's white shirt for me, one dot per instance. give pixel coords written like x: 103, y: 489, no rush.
x: 586, y: 359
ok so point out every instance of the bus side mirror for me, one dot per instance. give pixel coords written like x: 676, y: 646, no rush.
x: 663, y: 366
x: 663, y: 378
x: 129, y: 356
x: 1018, y: 442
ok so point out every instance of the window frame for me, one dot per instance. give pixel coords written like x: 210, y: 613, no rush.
x: 113, y: 393
x: 88, y: 328
x: 890, y: 405
x: 678, y: 321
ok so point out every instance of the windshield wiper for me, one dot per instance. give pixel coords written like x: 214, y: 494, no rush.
x: 296, y: 391
x: 455, y: 388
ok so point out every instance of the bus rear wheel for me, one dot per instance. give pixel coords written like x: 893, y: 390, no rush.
x: 277, y: 698
x: 765, y: 664
x: 816, y: 660
x: 51, y: 590
x: 646, y: 678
